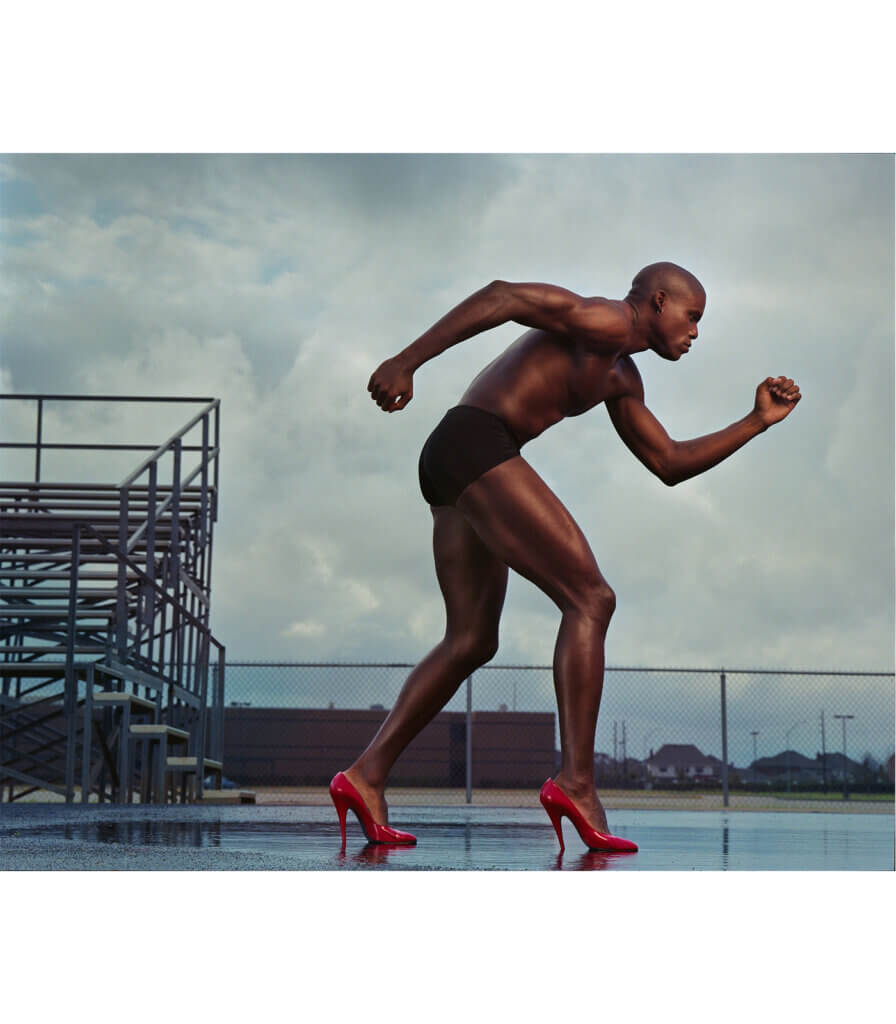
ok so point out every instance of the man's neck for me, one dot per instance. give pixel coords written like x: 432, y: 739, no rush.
x: 637, y: 339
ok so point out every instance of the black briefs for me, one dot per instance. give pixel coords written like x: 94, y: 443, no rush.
x: 467, y: 443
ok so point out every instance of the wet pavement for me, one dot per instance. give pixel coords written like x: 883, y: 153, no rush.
x: 54, y: 837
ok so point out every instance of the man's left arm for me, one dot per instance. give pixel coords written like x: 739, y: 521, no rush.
x: 675, y: 461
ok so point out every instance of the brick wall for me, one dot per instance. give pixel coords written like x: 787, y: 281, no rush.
x: 307, y: 746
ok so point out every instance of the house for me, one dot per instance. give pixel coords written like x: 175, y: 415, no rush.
x: 736, y: 776
x: 790, y: 764
x: 747, y: 777
x: 835, y: 762
x: 681, y: 762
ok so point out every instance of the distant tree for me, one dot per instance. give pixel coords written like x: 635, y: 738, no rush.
x: 871, y: 768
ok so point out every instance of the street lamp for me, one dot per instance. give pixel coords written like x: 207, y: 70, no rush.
x: 787, y: 746
x: 845, y: 785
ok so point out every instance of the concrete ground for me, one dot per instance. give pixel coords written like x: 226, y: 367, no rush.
x: 278, y: 837
x: 619, y: 799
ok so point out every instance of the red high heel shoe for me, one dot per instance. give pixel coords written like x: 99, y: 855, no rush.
x: 557, y: 803
x: 346, y: 797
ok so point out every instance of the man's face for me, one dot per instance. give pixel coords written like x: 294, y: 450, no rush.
x: 677, y: 321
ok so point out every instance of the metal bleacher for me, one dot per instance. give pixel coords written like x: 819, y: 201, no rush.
x: 111, y: 683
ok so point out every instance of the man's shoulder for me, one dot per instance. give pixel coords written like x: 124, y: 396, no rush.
x: 629, y: 378
x: 604, y: 320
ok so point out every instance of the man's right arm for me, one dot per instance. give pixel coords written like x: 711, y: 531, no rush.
x: 543, y: 306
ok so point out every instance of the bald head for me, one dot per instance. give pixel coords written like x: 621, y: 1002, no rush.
x: 665, y: 277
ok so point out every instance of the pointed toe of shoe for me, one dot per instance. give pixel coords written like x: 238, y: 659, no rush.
x: 387, y: 834
x: 612, y: 844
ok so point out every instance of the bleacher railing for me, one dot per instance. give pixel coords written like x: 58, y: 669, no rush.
x: 161, y: 550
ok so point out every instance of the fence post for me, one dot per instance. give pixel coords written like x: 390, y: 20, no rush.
x: 724, y: 744
x: 37, y: 447
x: 470, y: 738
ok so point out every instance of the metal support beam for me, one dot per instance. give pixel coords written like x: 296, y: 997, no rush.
x: 71, y: 683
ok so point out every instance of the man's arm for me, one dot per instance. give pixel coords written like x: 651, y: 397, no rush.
x: 543, y: 306
x: 675, y: 461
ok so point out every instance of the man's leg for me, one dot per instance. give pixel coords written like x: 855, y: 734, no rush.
x: 473, y: 584
x: 524, y: 524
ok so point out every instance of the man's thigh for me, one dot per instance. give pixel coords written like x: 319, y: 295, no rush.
x: 472, y: 579
x: 524, y: 524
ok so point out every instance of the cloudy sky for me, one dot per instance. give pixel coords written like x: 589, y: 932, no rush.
x: 278, y: 283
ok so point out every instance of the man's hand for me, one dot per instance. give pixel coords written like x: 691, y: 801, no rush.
x: 391, y: 384
x: 775, y: 399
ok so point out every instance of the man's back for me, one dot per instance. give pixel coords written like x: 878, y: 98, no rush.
x: 543, y: 377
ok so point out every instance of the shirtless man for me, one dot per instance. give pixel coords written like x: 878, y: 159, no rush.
x: 492, y: 510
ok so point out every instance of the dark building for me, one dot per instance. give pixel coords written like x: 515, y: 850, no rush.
x: 307, y: 746
x: 793, y: 765
x: 835, y: 763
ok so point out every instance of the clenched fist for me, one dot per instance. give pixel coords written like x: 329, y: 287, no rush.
x: 391, y: 384
x: 776, y: 398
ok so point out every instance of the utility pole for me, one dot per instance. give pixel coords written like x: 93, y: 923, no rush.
x: 615, y: 748
x: 623, y: 749
x: 845, y: 783
x: 644, y: 749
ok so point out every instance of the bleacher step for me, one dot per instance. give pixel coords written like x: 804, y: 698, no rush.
x: 190, y: 763
x: 35, y: 593
x: 116, y: 698
x: 29, y: 612
x: 148, y: 732
x: 228, y: 796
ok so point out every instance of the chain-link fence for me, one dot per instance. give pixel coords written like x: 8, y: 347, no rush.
x: 726, y: 736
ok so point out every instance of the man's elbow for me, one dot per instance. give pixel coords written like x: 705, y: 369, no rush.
x: 665, y: 468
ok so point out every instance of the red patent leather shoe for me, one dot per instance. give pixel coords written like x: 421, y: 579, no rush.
x: 557, y: 803
x: 346, y: 798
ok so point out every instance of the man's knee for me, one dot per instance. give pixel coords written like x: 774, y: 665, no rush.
x: 474, y: 648
x: 596, y: 599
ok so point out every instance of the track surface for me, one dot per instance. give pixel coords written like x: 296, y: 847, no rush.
x: 59, y: 837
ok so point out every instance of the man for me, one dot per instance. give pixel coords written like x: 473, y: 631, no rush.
x: 492, y: 510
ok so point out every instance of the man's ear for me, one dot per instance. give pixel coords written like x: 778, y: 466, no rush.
x: 659, y: 299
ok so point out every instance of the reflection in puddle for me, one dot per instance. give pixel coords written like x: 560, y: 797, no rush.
x: 668, y: 841
x: 195, y: 834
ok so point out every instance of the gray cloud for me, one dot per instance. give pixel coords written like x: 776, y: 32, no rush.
x: 279, y: 283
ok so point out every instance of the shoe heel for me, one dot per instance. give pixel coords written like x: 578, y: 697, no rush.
x: 341, y: 809
x: 556, y: 816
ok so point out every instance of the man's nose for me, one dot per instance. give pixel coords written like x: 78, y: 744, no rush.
x: 693, y: 332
